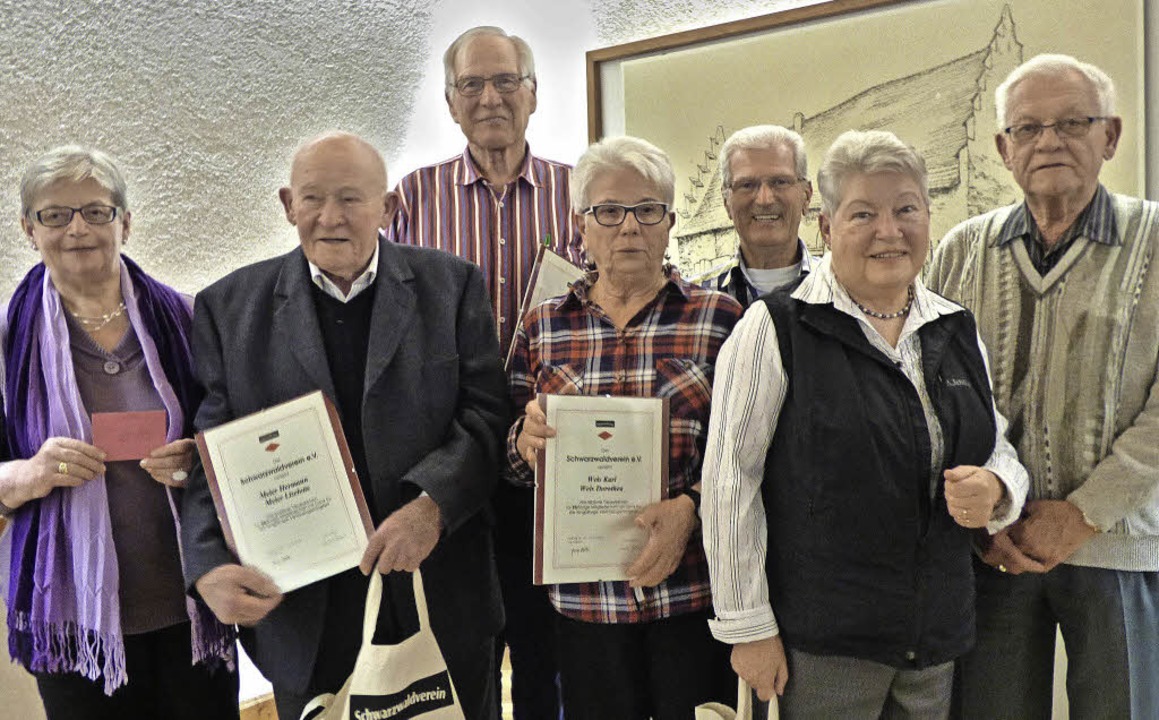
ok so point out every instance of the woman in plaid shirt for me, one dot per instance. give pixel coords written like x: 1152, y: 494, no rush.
x: 638, y: 648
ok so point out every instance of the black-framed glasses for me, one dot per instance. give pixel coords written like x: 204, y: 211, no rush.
x: 57, y: 216
x: 1074, y: 127
x: 777, y: 183
x: 612, y: 214
x: 504, y: 84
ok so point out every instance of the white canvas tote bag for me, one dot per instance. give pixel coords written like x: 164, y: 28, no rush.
x: 393, y: 682
x: 744, y: 706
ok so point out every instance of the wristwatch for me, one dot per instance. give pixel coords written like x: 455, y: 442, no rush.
x: 695, y: 496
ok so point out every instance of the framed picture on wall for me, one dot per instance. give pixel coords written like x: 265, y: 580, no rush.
x: 923, y: 69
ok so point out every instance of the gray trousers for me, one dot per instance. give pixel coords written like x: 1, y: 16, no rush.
x: 823, y: 688
x: 1110, y: 625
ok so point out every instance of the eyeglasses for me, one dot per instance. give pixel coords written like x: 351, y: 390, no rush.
x: 1074, y: 127
x: 504, y: 84
x: 611, y: 215
x: 752, y: 186
x: 56, y: 217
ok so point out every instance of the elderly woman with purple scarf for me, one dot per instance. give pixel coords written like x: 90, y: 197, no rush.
x: 96, y: 603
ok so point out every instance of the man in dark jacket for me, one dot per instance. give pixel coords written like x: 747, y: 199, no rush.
x: 403, y: 341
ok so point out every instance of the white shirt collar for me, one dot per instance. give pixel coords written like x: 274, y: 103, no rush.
x: 808, y: 262
x: 361, y: 283
x: 821, y: 287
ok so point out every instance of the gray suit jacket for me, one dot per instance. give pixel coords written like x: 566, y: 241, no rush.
x: 435, y: 413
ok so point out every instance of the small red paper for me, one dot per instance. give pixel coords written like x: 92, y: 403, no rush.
x: 129, y: 435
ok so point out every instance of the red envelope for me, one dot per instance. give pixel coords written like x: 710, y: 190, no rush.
x: 129, y: 435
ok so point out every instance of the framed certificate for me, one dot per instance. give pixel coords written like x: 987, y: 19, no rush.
x: 608, y: 460
x: 286, y: 491
x: 550, y: 276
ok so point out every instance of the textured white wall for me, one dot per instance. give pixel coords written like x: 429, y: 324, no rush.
x: 204, y: 101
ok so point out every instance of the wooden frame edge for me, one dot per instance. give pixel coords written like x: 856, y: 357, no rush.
x: 260, y: 708
x: 685, y: 38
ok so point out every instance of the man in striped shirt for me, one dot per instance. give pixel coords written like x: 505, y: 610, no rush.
x: 495, y: 205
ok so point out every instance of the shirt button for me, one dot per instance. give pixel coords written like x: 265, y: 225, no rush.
x: 502, y: 241
x: 112, y: 368
x: 502, y: 281
x: 502, y: 320
x: 910, y: 655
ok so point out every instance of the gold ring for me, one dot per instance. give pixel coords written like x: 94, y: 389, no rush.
x: 62, y: 467
x: 1001, y: 567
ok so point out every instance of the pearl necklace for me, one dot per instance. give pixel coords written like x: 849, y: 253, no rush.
x: 94, y: 324
x: 893, y: 315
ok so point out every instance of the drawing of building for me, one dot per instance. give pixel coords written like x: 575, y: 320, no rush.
x: 946, y: 112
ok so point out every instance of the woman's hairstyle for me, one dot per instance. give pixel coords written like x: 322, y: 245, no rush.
x: 864, y: 152
x: 1055, y: 65
x: 622, y: 153
x: 522, y: 51
x: 76, y: 164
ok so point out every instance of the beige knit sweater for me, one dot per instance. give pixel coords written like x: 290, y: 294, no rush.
x: 1085, y: 417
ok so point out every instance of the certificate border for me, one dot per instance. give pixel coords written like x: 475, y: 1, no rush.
x: 541, y: 257
x: 343, y: 451
x: 541, y: 471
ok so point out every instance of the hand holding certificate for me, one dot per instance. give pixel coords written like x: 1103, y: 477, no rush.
x: 608, y: 460
x: 286, y: 491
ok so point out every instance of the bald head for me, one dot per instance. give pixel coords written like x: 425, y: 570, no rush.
x: 337, y: 198
x: 338, y: 143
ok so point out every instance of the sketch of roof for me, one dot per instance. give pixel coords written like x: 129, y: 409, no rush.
x: 931, y: 109
x: 710, y: 213
x: 928, y: 110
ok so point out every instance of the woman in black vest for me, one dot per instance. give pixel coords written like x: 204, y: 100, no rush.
x: 854, y: 436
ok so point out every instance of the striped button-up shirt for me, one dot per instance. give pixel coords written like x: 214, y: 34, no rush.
x: 451, y: 207
x: 568, y: 344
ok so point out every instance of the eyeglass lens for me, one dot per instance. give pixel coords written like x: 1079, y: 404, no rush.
x: 61, y: 216
x: 1067, y: 127
x: 503, y: 84
x: 753, y: 185
x: 646, y: 213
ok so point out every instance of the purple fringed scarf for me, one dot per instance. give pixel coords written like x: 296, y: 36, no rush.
x: 63, y: 605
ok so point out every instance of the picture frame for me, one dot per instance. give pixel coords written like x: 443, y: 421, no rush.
x: 924, y: 69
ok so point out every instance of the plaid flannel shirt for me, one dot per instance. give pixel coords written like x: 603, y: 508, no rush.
x: 668, y: 350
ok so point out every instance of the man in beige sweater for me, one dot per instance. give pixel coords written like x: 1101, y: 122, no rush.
x: 1066, y: 291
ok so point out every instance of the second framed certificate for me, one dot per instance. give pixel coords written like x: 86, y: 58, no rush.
x: 608, y: 460
x: 286, y: 492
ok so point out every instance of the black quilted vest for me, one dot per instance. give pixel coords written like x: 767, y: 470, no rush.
x: 862, y: 561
